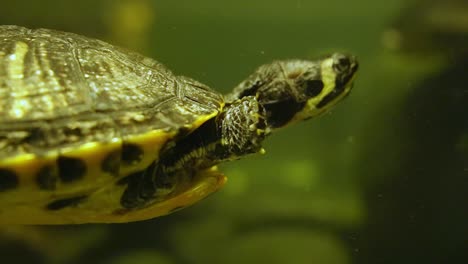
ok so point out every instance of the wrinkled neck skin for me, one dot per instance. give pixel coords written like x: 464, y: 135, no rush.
x: 237, y: 131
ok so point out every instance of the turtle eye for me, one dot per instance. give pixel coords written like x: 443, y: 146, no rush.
x: 341, y: 64
x: 313, y: 87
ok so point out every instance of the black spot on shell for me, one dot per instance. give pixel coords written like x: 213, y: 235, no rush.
x: 71, y: 169
x: 63, y: 203
x: 131, y: 154
x: 111, y: 163
x: 47, y: 178
x: 8, y: 180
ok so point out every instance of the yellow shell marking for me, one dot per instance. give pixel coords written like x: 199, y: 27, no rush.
x: 97, y: 193
x: 92, y: 211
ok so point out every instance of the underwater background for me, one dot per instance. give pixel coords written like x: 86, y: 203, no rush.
x: 382, y: 178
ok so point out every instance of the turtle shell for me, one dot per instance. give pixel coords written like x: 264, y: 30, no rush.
x: 77, y: 115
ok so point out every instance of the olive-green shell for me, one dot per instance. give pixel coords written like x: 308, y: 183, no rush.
x: 77, y: 115
x: 60, y: 88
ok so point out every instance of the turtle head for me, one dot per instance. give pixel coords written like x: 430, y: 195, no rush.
x: 295, y: 90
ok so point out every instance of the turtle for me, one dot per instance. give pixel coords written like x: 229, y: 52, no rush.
x: 94, y: 133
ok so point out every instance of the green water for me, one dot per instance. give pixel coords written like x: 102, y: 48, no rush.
x: 381, y: 179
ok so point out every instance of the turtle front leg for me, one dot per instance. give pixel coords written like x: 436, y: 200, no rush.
x: 242, y: 128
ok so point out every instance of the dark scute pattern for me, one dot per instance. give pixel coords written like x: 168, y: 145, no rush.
x: 131, y: 154
x: 71, y: 169
x: 8, y: 180
x: 111, y: 163
x: 47, y: 178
